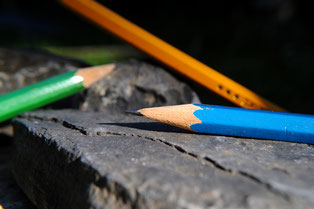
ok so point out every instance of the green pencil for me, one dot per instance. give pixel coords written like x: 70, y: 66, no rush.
x: 50, y: 90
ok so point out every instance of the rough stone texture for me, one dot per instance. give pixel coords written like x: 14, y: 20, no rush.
x: 11, y: 196
x: 71, y: 159
x: 21, y: 68
x: 18, y: 69
x: 135, y: 85
x: 132, y: 85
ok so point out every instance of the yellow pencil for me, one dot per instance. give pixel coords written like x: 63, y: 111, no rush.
x: 169, y: 55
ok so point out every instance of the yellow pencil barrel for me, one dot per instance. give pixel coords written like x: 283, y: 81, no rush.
x: 170, y: 56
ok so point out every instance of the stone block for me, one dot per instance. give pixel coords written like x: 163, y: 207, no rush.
x: 75, y: 159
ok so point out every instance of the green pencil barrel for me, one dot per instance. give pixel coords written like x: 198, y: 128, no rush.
x: 39, y: 94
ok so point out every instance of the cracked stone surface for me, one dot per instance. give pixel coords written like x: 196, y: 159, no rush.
x: 75, y: 159
x: 134, y: 84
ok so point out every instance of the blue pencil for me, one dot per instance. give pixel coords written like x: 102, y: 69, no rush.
x: 232, y: 121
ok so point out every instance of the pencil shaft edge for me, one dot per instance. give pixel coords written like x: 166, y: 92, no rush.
x: 238, y: 122
x: 39, y: 94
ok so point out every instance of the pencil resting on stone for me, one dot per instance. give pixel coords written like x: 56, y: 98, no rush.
x: 234, y: 121
x: 50, y: 90
x: 169, y: 55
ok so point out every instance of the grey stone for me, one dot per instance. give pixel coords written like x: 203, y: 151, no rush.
x: 20, y: 68
x: 75, y: 159
x: 11, y: 196
x: 134, y: 85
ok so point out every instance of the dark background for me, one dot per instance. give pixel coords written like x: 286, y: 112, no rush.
x: 266, y: 45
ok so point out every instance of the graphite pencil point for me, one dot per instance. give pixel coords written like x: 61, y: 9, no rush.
x: 134, y: 112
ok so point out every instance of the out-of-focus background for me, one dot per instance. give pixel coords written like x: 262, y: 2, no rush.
x: 266, y: 45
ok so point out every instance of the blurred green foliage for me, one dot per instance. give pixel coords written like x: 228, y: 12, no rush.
x: 95, y: 55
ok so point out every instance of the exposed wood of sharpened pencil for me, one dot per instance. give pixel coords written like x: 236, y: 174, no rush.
x: 232, y: 121
x: 170, y: 55
x: 181, y: 117
x: 93, y: 74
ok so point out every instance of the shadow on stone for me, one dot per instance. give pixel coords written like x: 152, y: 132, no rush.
x: 150, y: 126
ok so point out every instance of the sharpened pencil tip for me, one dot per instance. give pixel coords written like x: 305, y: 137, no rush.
x: 134, y: 112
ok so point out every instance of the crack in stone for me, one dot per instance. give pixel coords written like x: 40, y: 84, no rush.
x: 55, y: 120
x: 217, y: 165
x: 267, y: 185
x: 207, y: 159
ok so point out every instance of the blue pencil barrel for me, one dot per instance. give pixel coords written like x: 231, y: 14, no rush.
x: 255, y: 123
